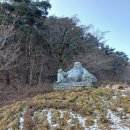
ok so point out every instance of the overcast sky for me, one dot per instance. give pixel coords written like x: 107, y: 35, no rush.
x: 105, y: 15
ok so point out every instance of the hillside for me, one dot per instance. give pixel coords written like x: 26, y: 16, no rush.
x: 102, y: 108
x: 34, y: 49
x: 126, y: 74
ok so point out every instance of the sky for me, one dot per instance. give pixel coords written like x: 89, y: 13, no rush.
x: 104, y: 15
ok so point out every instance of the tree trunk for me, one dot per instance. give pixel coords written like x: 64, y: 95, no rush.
x: 41, y: 71
x: 7, y: 78
x: 27, y: 76
x: 31, y: 71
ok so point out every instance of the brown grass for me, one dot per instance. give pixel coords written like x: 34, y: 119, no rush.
x: 12, y: 94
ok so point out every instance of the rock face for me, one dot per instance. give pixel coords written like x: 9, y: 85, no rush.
x: 75, y: 77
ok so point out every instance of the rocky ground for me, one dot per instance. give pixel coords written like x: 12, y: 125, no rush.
x: 102, y: 108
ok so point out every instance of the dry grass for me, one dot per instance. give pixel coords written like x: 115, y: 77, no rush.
x: 80, y: 101
x: 12, y: 94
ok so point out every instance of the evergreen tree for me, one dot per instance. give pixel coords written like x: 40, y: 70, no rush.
x: 26, y: 18
x: 28, y: 12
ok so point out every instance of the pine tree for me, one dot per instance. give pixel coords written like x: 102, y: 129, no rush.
x: 26, y: 17
x: 28, y: 13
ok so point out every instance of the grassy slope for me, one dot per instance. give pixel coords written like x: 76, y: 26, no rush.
x: 92, y: 103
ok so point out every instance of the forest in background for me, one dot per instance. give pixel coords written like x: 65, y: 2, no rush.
x: 33, y: 46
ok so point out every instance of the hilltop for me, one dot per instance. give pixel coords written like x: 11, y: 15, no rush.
x: 80, y: 109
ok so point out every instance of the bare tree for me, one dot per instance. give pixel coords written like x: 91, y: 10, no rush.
x: 8, y: 52
x: 65, y: 37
